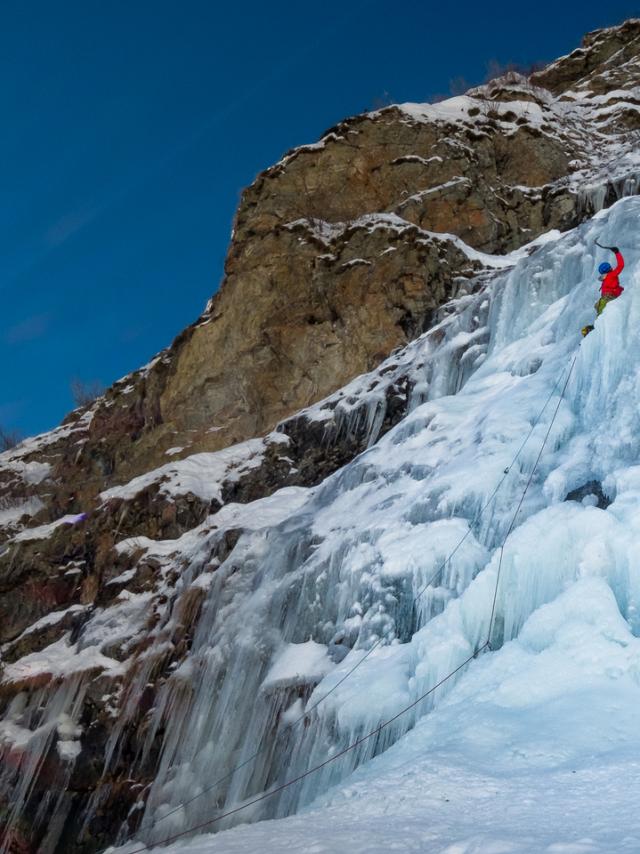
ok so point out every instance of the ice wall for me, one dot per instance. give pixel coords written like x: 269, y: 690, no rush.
x: 296, y: 606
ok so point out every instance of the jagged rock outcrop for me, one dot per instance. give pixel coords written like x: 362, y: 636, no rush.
x: 342, y: 254
x: 319, y: 287
x: 496, y: 168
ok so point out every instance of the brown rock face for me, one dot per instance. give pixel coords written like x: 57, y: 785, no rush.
x: 320, y: 313
x: 314, y: 294
x: 342, y: 253
x: 329, y: 268
x: 604, y: 58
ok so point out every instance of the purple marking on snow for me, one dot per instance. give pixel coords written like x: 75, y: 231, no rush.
x: 73, y: 520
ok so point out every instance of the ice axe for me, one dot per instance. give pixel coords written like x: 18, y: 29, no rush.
x: 613, y: 248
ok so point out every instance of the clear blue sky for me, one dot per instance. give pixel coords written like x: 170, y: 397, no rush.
x: 130, y: 128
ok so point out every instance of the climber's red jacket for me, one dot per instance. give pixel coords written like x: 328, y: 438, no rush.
x: 610, y: 285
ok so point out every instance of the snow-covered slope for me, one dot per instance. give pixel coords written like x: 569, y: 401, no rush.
x: 359, y: 570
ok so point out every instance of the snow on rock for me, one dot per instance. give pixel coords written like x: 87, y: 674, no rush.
x: 120, y: 623
x: 68, y: 750
x: 68, y: 745
x: 34, y: 471
x: 13, y: 512
x: 253, y: 516
x: 202, y: 475
x: 58, y: 660
x: 51, y: 619
x: 298, y: 664
x: 328, y: 232
x: 43, y: 532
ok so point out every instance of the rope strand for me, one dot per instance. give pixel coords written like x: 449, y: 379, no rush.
x: 485, y: 645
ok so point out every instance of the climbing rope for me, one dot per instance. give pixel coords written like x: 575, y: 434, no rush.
x: 326, y: 762
x: 523, y: 496
x: 382, y: 726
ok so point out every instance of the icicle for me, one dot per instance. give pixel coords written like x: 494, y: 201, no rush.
x: 382, y: 581
x: 36, y: 723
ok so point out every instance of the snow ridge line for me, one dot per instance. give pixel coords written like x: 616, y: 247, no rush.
x: 486, y: 645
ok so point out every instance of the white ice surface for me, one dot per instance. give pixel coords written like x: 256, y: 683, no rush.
x: 537, y: 749
x: 358, y: 567
x: 298, y: 663
x: 534, y: 747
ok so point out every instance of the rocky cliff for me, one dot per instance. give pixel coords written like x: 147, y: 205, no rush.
x: 352, y: 267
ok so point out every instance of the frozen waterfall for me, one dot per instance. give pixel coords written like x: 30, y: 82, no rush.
x: 296, y: 605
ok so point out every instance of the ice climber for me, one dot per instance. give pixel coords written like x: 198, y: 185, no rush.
x: 611, y: 287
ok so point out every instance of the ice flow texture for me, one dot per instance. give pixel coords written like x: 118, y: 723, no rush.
x: 298, y: 602
x: 293, y: 607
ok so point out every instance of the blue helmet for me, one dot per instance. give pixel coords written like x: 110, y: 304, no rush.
x: 605, y: 267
